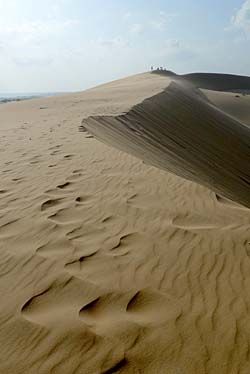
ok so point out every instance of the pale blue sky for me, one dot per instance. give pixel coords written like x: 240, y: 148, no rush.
x: 61, y: 45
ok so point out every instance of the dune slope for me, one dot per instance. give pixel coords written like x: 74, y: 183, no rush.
x: 212, y: 81
x: 219, y: 82
x: 180, y: 131
x: 109, y: 265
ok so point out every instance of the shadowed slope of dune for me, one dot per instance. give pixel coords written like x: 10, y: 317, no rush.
x: 228, y: 92
x: 212, y: 81
x: 180, y: 131
x: 236, y: 105
x: 219, y: 82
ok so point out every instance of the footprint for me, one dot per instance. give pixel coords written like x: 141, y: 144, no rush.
x: 117, y: 311
x: 108, y: 219
x: 151, y: 306
x: 83, y: 199
x: 78, y: 171
x: 82, y: 128
x: 81, y: 259
x: 64, y: 185
x: 64, y: 216
x: 7, y: 170
x: 105, y: 312
x: 91, y: 307
x: 126, y: 240
x: 55, y: 147
x: 131, y: 198
x: 57, y: 302
x: 50, y: 204
x: 55, y: 152
x: 30, y: 303
x: 116, y: 368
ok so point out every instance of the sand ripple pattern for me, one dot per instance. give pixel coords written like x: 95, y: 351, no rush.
x: 109, y: 265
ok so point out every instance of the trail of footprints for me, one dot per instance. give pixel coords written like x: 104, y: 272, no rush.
x: 60, y: 208
x: 139, y: 307
x: 143, y: 307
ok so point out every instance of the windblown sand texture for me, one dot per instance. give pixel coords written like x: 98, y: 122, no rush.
x: 110, y: 265
x: 181, y: 131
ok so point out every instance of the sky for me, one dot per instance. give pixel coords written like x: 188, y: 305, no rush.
x: 71, y: 45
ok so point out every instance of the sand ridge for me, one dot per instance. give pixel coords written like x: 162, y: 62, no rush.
x: 181, y: 131
x: 109, y: 265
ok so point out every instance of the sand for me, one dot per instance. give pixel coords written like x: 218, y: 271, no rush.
x: 111, y: 265
x: 180, y: 130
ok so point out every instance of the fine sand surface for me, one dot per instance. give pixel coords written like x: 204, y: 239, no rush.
x: 182, y: 131
x: 110, y: 265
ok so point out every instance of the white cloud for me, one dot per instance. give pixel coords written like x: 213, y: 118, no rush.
x: 35, y: 43
x: 241, y: 19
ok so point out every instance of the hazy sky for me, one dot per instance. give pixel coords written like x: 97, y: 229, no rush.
x: 60, y: 45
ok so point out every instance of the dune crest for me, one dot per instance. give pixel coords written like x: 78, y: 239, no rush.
x: 212, y: 81
x: 180, y: 131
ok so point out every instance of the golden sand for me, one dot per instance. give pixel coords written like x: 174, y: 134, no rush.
x: 110, y: 265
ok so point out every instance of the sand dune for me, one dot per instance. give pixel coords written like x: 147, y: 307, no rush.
x: 219, y: 82
x: 110, y: 265
x: 236, y: 105
x: 211, y: 81
x: 180, y: 131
